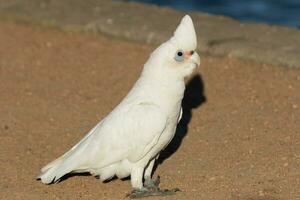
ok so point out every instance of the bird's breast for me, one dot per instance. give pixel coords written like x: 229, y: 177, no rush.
x: 170, y: 129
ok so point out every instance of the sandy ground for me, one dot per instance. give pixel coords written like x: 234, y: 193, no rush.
x: 239, y: 138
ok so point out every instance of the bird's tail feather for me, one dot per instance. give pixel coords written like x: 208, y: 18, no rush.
x: 53, y: 163
x: 52, y: 172
x: 70, y: 161
x: 66, y: 163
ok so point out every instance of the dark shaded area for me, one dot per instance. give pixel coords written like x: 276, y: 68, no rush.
x: 69, y: 175
x: 284, y: 12
x: 193, y: 97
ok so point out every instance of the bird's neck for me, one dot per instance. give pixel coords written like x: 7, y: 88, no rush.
x: 164, y: 89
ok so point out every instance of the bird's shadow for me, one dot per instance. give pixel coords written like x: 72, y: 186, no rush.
x: 69, y: 175
x: 193, y: 98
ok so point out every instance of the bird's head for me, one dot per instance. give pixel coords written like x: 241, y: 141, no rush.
x: 177, y: 57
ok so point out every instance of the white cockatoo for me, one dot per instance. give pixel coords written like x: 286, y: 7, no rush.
x: 129, y: 139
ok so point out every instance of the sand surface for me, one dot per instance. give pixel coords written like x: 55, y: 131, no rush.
x: 239, y: 138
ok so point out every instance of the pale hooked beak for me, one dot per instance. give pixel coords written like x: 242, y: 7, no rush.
x: 195, y: 58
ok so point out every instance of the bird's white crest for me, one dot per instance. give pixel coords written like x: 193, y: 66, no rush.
x: 185, y: 35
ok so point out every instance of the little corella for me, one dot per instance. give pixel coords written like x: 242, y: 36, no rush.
x: 130, y: 138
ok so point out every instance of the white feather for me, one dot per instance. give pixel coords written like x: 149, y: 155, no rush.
x: 142, y: 125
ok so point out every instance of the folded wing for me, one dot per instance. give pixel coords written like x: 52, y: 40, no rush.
x: 126, y: 133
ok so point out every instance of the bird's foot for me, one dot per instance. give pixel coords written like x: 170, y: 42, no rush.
x: 152, y: 184
x: 151, y: 189
x: 140, y: 193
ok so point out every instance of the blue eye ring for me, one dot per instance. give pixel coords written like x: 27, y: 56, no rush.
x: 179, y: 56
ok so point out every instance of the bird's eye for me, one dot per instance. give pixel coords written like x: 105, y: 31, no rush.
x: 179, y: 56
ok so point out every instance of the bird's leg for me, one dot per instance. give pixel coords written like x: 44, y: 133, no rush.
x: 150, y: 186
x: 149, y: 183
x: 137, y: 178
x: 137, y: 183
x: 151, y: 189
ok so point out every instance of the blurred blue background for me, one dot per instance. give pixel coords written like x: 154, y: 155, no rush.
x: 281, y: 12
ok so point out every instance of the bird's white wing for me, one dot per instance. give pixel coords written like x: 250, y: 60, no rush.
x: 130, y: 134
x: 127, y: 133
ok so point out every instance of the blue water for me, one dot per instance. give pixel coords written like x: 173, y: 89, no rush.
x: 281, y: 12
